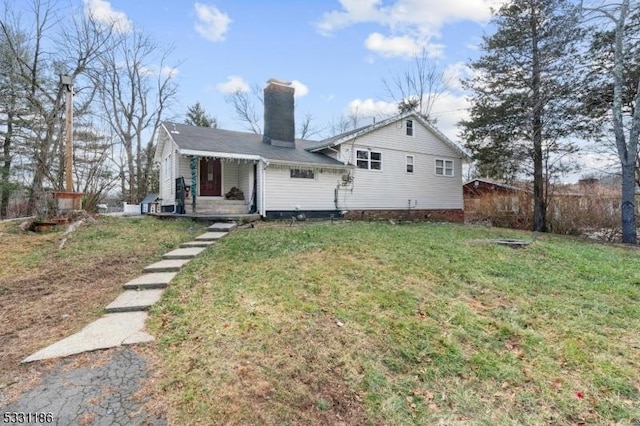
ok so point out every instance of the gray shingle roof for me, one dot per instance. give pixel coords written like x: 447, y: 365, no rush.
x: 195, y: 138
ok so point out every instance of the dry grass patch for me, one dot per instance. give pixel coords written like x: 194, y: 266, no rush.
x: 47, y: 293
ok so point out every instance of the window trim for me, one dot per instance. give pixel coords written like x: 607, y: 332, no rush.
x: 368, y: 159
x: 407, y: 164
x: 444, y: 167
x: 305, y: 173
x: 409, y: 129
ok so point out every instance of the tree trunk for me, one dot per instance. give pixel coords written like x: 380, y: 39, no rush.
x: 6, y: 167
x: 627, y: 210
x: 539, y: 205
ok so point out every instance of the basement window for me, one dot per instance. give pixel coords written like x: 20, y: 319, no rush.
x: 301, y: 174
x: 368, y: 160
x: 444, y: 167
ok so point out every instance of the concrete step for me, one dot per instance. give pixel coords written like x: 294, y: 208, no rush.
x: 150, y: 281
x: 134, y: 300
x: 110, y: 331
x: 210, y: 236
x: 184, y: 253
x: 222, y: 227
x: 197, y: 244
x: 171, y: 265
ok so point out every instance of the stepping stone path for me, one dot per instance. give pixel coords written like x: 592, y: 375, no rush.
x: 124, y: 322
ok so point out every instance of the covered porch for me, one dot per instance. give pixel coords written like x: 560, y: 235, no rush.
x: 218, y: 184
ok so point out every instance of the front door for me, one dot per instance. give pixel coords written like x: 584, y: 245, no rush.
x: 210, y: 177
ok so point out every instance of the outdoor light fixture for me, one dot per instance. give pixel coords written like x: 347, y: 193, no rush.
x: 66, y: 80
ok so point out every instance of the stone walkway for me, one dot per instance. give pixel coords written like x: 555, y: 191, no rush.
x: 99, y: 388
x: 124, y: 322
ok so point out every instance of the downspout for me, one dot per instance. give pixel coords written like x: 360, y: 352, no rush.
x: 263, y: 189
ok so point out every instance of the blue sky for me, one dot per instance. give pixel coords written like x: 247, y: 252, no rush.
x: 336, y: 52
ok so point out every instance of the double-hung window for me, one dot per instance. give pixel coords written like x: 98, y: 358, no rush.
x: 409, y: 165
x: 444, y: 167
x: 368, y: 160
x: 409, y: 127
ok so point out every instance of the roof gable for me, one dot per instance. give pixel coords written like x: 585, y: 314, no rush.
x: 356, y: 133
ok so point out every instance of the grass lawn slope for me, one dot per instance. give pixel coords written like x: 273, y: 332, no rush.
x: 48, y: 293
x: 401, y: 324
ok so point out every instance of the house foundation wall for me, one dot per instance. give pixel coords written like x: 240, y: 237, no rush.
x: 446, y: 215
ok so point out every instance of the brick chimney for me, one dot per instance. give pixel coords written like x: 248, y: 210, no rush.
x: 279, y: 124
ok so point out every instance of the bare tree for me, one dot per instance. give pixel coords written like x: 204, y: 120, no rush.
x: 619, y: 17
x: 306, y: 129
x: 245, y: 106
x: 37, y: 73
x: 418, y: 87
x: 135, y: 85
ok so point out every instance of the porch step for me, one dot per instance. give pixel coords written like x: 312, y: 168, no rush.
x: 222, y: 227
x: 171, y: 265
x: 134, y: 300
x: 197, y: 244
x: 150, y: 281
x: 184, y: 253
x: 219, y: 207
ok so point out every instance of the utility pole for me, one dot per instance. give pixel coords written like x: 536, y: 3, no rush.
x: 67, y: 83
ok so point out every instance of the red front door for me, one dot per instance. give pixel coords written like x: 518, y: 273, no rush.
x: 210, y: 177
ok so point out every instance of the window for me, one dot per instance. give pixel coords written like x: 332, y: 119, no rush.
x: 369, y: 160
x: 409, y: 127
x: 444, y: 167
x: 301, y: 174
x: 409, y: 164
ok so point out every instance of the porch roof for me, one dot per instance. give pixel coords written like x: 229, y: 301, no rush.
x: 204, y: 141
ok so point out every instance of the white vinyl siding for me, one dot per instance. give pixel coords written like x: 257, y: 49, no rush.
x: 394, y: 187
x: 167, y: 175
x: 285, y: 193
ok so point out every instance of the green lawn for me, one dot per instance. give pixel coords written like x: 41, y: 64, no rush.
x: 401, y: 324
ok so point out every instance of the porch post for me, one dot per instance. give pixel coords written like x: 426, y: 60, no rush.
x: 194, y: 182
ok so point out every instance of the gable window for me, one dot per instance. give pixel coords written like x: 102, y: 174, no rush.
x: 301, y: 174
x: 368, y: 160
x: 444, y: 167
x: 409, y: 167
x: 409, y: 127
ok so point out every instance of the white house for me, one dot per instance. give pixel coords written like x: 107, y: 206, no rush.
x: 399, y: 167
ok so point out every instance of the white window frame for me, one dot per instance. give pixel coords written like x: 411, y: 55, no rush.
x: 443, y: 168
x: 410, y: 131
x: 368, y: 160
x: 411, y: 163
x: 302, y: 174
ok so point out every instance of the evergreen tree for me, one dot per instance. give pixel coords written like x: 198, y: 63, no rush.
x: 196, y: 116
x: 522, y: 93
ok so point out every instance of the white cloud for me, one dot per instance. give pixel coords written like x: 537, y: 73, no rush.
x: 405, y: 46
x: 211, y: 24
x: 165, y: 71
x: 102, y: 11
x: 419, y: 21
x: 300, y: 89
x: 370, y: 108
x: 455, y: 73
x: 233, y: 84
x: 448, y: 110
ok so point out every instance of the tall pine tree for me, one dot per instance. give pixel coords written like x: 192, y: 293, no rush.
x: 196, y: 116
x: 522, y: 94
